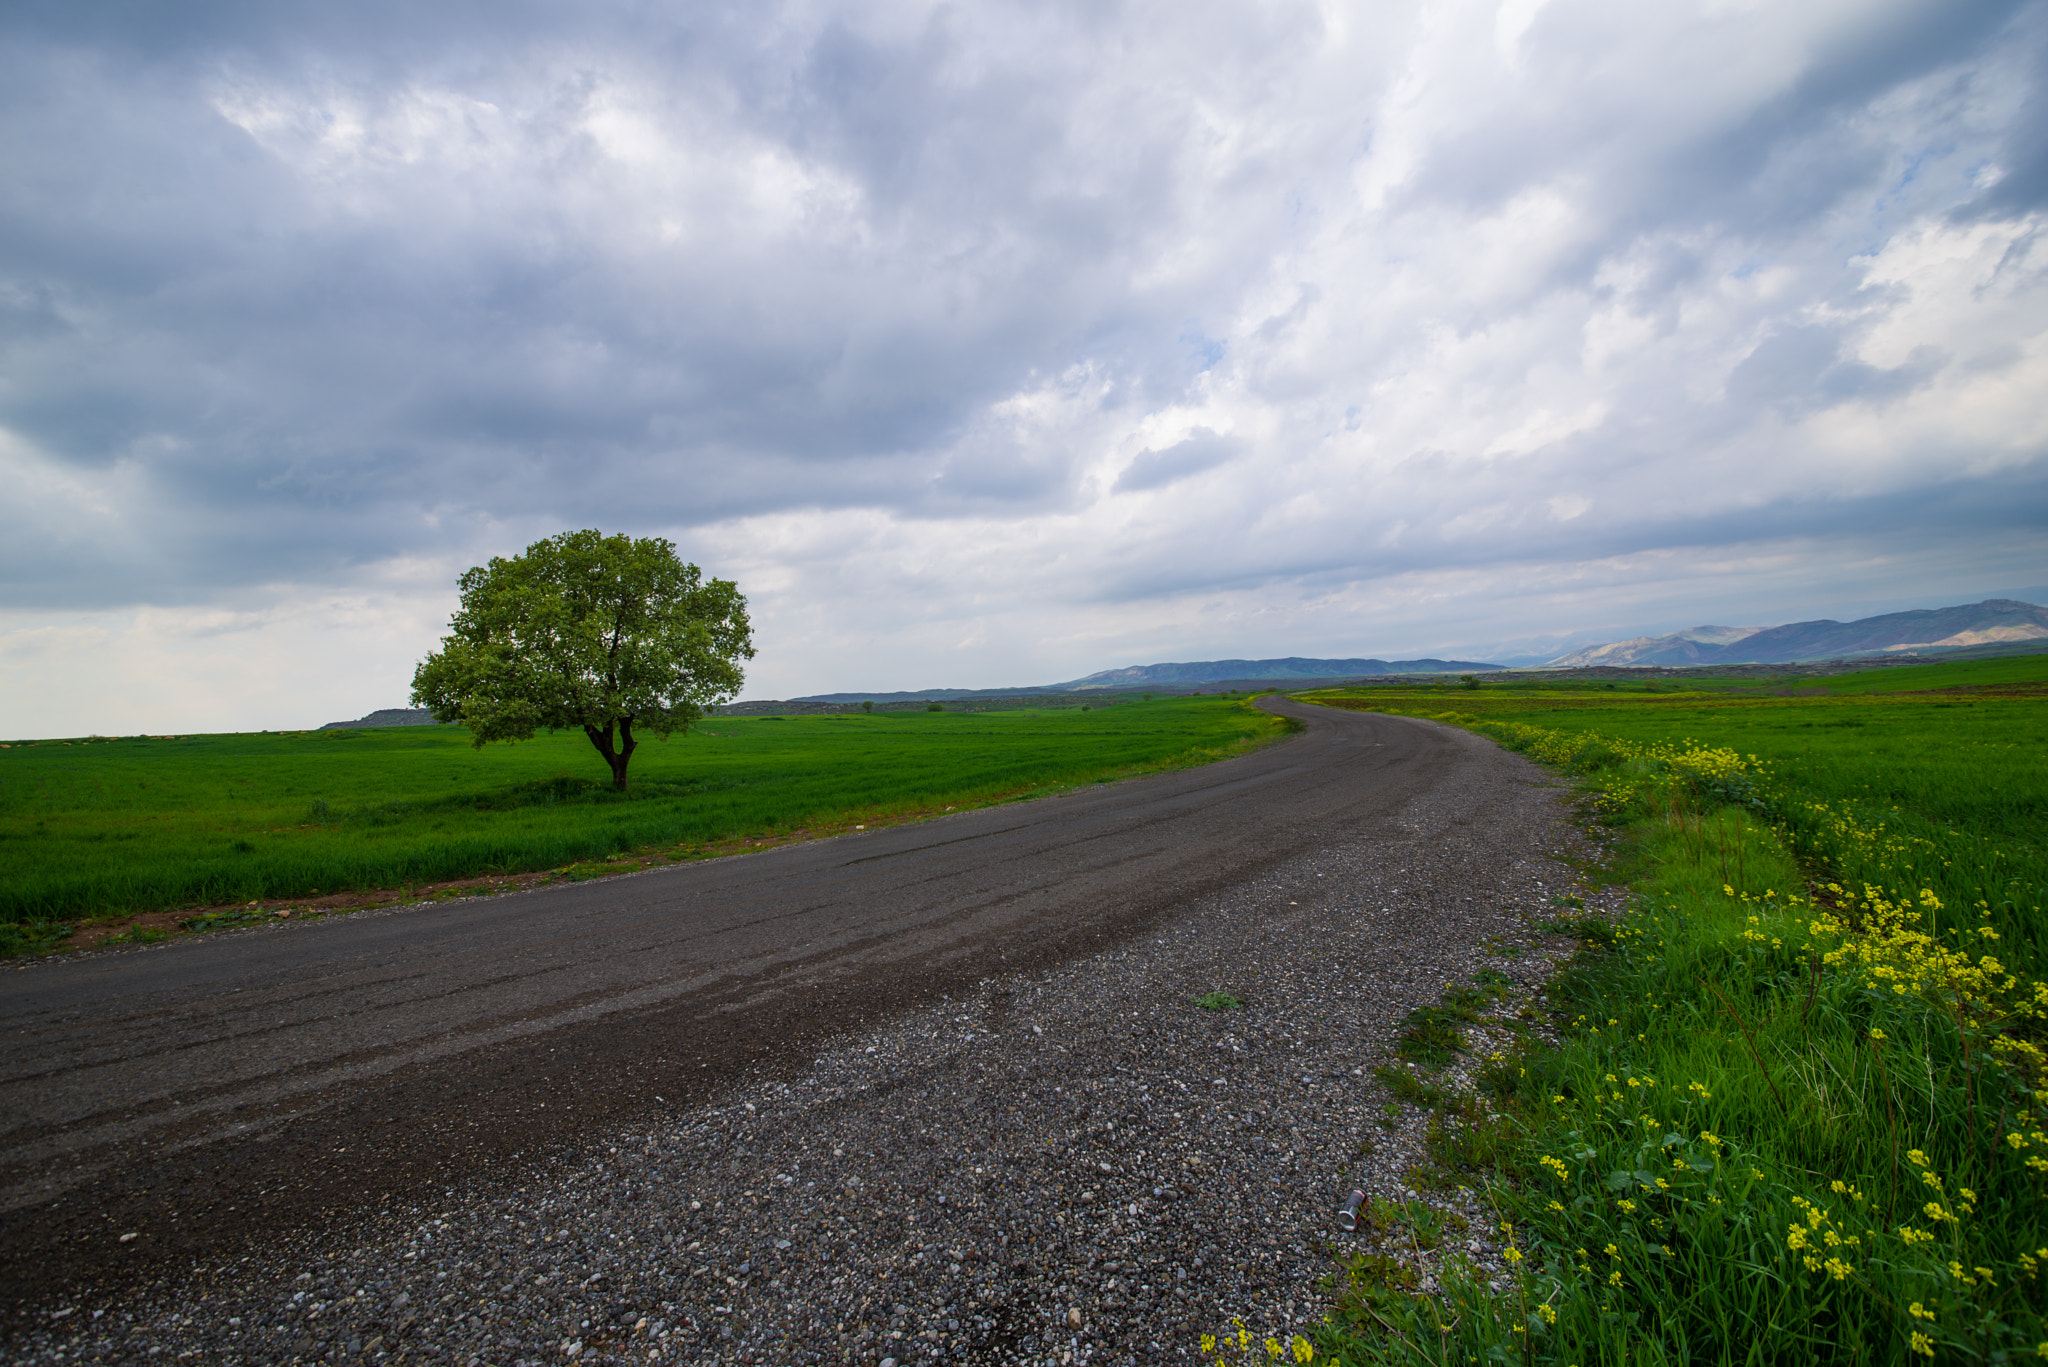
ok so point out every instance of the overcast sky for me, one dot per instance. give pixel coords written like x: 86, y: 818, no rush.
x: 1001, y: 343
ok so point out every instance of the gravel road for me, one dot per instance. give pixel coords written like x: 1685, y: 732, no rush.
x: 1041, y: 1151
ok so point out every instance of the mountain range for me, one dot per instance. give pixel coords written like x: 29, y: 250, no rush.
x: 1993, y: 621
x: 1182, y: 677
x: 1292, y: 667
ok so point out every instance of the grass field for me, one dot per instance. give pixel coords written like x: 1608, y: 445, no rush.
x: 98, y: 827
x: 1955, y: 756
x: 1795, y: 1107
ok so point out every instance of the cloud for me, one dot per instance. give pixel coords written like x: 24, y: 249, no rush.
x: 994, y: 338
x: 1200, y: 450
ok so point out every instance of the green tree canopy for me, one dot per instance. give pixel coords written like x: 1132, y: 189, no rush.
x: 602, y: 633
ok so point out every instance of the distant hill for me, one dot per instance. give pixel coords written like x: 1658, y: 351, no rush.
x: 1293, y: 667
x: 389, y: 716
x: 1993, y: 621
x: 1692, y: 646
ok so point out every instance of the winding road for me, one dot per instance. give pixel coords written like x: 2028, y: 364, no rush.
x: 189, y: 1093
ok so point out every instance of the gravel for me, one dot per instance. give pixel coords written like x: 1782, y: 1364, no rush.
x: 1079, y: 1166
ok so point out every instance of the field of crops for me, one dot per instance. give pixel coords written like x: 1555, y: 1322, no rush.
x: 96, y: 827
x: 1795, y: 1107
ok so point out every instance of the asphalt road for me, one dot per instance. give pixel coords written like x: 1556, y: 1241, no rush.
x: 199, y: 1093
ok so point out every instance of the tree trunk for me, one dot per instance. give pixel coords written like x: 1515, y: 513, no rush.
x: 616, y: 757
x: 626, y: 747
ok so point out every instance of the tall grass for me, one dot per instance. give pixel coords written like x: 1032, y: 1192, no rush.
x: 1796, y: 1109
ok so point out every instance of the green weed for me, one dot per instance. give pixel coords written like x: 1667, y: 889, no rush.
x: 33, y: 937
x: 228, y: 917
x: 1591, y: 929
x: 1407, y: 1085
x: 1431, y: 1036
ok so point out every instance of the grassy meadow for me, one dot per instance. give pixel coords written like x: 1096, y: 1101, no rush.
x: 100, y: 827
x: 1795, y: 1107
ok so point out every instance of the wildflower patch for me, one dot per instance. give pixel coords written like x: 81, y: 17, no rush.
x: 1796, y: 1106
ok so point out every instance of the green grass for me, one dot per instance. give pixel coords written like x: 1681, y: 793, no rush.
x: 1958, y: 779
x: 2005, y: 672
x: 1784, y: 1119
x: 101, y: 827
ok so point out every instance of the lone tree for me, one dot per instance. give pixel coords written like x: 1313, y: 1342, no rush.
x: 603, y: 633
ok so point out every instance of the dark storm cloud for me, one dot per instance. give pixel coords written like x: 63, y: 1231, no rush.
x: 287, y: 290
x: 269, y: 325
x: 2022, y: 157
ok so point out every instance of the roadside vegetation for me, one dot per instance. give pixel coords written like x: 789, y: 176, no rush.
x: 1793, y: 1107
x: 98, y: 828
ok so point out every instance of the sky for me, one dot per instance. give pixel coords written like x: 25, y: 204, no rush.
x: 1002, y: 343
